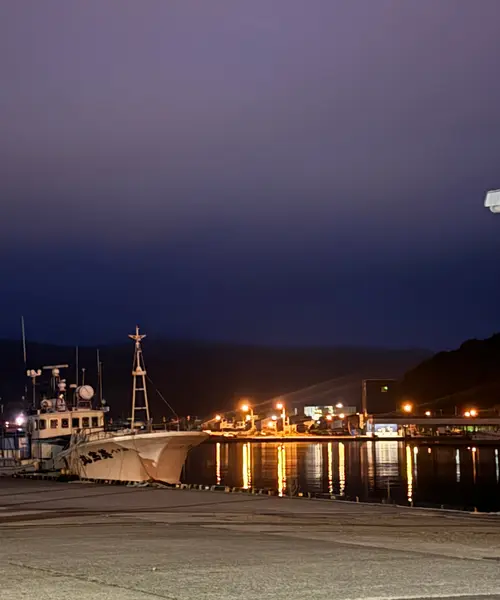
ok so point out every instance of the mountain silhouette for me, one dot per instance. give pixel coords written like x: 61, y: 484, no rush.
x: 465, y: 377
x: 201, y: 377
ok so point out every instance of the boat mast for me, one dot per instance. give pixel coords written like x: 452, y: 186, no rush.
x: 77, y: 373
x: 23, y: 334
x: 99, y: 380
x: 139, y: 378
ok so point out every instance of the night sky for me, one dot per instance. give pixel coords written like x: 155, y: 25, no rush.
x: 267, y: 171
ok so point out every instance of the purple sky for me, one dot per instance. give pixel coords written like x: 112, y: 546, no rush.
x: 274, y: 171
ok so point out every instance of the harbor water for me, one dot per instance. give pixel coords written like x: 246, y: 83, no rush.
x: 452, y: 476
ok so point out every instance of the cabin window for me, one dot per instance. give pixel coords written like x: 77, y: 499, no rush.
x: 41, y: 424
x: 85, y: 422
x: 53, y: 423
x: 95, y: 421
x: 75, y: 422
x: 65, y: 423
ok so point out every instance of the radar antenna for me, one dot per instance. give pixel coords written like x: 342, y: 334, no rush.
x: 139, y: 378
x: 56, y: 381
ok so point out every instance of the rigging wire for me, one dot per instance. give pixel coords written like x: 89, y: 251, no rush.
x: 162, y: 397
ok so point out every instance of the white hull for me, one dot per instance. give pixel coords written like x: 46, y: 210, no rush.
x: 157, y: 456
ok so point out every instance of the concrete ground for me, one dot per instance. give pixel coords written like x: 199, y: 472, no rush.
x: 84, y: 541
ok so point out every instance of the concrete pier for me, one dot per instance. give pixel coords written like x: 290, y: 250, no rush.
x: 96, y: 542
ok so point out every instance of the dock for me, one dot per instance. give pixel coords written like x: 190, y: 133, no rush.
x: 86, y: 541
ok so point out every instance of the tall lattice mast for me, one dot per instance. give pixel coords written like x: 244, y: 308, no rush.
x: 139, y: 378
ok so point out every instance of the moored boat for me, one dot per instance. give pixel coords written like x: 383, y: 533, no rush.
x: 77, y: 440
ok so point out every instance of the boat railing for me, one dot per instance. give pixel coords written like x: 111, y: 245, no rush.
x: 89, y: 434
x: 85, y: 435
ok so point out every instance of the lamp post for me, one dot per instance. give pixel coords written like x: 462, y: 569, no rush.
x: 281, y: 406
x: 248, y: 410
x: 407, y: 409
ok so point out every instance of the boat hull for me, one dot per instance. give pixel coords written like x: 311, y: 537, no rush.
x: 138, y: 457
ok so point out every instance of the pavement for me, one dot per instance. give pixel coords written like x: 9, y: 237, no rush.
x: 84, y: 541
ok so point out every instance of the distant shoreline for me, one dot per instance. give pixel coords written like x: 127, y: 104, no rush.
x: 425, y: 441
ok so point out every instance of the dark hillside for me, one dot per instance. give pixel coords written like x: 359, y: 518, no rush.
x: 198, y: 378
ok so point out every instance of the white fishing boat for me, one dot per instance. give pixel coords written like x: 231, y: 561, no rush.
x: 77, y: 440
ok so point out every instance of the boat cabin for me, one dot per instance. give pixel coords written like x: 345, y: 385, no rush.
x: 44, y: 425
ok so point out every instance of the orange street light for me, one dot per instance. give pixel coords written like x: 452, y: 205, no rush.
x: 218, y: 417
x: 281, y: 406
x: 246, y: 408
x: 407, y: 408
x: 473, y: 412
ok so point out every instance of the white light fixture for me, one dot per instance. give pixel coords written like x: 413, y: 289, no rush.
x: 492, y: 201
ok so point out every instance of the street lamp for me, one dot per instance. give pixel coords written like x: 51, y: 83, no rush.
x: 218, y: 418
x: 281, y: 406
x: 407, y: 408
x: 20, y: 420
x: 246, y: 408
x: 427, y: 413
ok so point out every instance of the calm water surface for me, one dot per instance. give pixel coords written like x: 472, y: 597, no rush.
x: 461, y: 477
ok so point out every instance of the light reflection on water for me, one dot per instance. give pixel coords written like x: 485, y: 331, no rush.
x: 458, y: 476
x: 409, y: 473
x: 341, y: 448
x: 217, y: 463
x: 474, y: 464
x: 282, y: 470
x: 457, y: 462
x: 330, y: 467
x: 246, y: 466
